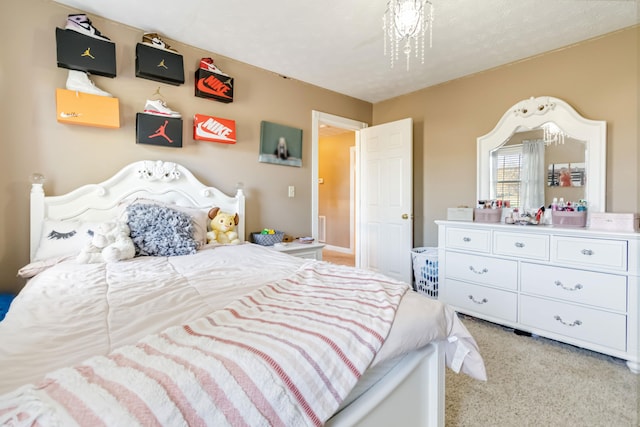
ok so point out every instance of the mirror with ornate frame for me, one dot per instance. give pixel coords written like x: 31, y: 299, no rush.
x: 558, y: 126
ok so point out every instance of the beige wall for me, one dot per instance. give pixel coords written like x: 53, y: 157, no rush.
x: 599, y: 78
x: 334, y: 192
x: 70, y: 155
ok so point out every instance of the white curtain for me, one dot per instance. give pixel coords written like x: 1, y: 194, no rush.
x: 532, y: 175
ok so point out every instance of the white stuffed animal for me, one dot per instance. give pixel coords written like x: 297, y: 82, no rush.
x: 110, y: 242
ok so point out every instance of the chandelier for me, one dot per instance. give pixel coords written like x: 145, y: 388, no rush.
x: 552, y: 134
x: 406, y: 22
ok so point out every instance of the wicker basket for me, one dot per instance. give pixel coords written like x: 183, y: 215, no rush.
x: 267, y: 239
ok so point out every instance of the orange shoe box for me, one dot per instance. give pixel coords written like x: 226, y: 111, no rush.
x: 80, y: 108
x: 214, y: 129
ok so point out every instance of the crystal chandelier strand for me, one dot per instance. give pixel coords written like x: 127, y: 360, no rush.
x: 407, y: 21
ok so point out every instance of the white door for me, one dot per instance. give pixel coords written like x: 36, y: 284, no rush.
x: 385, y: 199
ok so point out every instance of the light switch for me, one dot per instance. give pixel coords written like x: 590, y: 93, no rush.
x: 292, y: 191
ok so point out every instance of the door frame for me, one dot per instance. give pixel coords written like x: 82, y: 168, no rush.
x: 318, y: 118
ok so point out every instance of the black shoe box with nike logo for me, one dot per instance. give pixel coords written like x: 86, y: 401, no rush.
x: 159, y: 65
x: 158, y: 130
x: 214, y: 86
x: 77, y: 51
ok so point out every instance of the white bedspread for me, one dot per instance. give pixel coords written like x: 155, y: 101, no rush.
x: 286, y: 354
x: 75, y: 311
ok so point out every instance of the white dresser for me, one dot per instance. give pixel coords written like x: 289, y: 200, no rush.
x: 578, y: 286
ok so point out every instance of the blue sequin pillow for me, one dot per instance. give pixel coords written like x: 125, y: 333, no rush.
x: 160, y: 231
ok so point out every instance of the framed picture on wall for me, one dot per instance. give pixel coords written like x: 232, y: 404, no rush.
x: 281, y: 145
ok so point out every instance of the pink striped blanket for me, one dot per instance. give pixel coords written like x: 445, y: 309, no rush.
x: 286, y: 354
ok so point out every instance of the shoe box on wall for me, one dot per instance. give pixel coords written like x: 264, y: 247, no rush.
x: 214, y: 86
x: 158, y: 130
x: 160, y: 65
x: 214, y: 129
x: 77, y: 51
x: 81, y: 108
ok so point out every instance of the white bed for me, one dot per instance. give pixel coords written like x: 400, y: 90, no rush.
x: 70, y: 312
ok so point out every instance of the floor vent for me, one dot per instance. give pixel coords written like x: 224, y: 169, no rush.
x: 322, y: 228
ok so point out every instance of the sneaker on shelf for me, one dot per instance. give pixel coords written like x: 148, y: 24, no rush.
x: 79, y: 81
x: 154, y: 40
x: 81, y: 23
x: 158, y: 107
x: 208, y: 65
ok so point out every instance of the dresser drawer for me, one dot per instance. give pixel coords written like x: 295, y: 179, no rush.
x: 469, y: 239
x: 487, y: 301
x: 480, y: 269
x: 585, y: 287
x: 590, y: 253
x: 521, y: 245
x: 584, y: 324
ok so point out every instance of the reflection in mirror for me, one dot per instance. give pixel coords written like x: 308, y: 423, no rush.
x: 543, y: 149
x: 532, y: 168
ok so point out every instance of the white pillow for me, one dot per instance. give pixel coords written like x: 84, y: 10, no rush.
x: 37, y: 267
x: 199, y: 218
x: 63, y: 238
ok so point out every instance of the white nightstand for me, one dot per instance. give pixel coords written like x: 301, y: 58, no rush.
x: 301, y: 250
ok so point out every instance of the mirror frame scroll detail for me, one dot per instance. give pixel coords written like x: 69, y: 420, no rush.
x: 532, y: 113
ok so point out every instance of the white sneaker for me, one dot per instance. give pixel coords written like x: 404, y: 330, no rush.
x: 80, y: 23
x: 158, y: 107
x: 208, y: 65
x: 154, y: 40
x: 79, y: 81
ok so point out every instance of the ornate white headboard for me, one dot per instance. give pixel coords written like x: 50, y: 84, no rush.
x: 157, y: 180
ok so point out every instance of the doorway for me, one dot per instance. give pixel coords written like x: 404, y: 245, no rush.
x: 383, y: 223
x: 341, y: 131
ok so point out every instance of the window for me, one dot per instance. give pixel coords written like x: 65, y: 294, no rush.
x: 508, y: 165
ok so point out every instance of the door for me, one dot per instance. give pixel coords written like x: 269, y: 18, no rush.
x: 385, y: 199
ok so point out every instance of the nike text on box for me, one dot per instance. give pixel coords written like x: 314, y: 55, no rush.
x: 79, y: 108
x: 214, y: 129
x: 159, y: 65
x: 158, y: 130
x: 214, y: 86
x: 77, y: 51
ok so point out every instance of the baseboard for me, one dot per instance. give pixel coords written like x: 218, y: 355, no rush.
x: 340, y: 249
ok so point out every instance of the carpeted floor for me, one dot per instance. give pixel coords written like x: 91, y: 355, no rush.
x: 534, y: 381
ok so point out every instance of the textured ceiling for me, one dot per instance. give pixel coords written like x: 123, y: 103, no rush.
x: 338, y: 44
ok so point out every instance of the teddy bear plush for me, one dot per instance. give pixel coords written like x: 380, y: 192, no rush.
x: 110, y: 243
x: 222, y: 228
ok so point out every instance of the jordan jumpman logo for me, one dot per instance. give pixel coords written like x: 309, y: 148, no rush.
x: 161, y: 132
x: 88, y: 53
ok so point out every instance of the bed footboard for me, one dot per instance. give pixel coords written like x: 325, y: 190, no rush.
x: 411, y: 394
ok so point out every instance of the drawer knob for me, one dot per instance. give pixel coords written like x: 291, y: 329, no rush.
x: 483, y: 271
x: 586, y: 252
x: 574, y: 323
x: 482, y: 301
x: 575, y: 288
x: 519, y: 244
x: 466, y: 239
